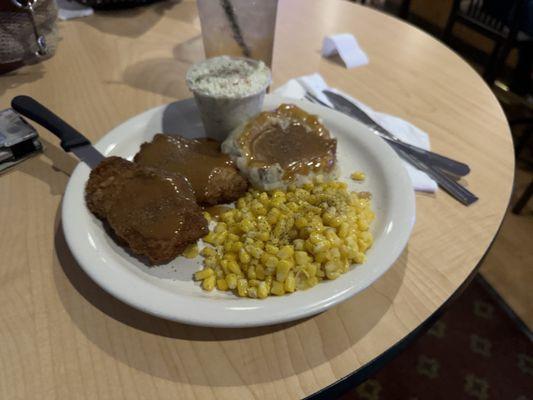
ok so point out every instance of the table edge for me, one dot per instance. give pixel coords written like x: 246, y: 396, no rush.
x: 360, y: 375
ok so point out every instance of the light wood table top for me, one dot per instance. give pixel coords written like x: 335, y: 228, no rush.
x: 61, y: 336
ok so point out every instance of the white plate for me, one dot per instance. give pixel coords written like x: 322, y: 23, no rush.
x: 169, y: 291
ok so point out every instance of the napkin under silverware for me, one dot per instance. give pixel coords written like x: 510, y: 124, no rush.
x: 315, y: 84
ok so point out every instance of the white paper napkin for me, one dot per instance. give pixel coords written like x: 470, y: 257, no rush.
x: 315, y: 84
x: 347, y: 47
x: 69, y: 9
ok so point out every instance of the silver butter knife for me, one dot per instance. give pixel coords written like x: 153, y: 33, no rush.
x: 449, y: 165
x: 424, y: 164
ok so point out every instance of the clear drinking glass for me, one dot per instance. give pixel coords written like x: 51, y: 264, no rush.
x: 243, y: 28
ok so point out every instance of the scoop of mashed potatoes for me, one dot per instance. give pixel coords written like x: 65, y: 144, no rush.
x: 282, y: 147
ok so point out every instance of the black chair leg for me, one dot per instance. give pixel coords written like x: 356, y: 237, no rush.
x: 491, y: 68
x: 522, y: 142
x: 446, y: 34
x: 522, y: 201
x: 404, y: 9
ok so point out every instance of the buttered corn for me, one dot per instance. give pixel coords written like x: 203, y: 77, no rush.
x: 277, y: 242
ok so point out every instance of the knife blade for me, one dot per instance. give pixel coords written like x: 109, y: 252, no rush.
x: 447, y: 164
x: 456, y: 190
x: 71, y: 139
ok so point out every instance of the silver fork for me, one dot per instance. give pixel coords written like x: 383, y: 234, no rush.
x: 455, y: 189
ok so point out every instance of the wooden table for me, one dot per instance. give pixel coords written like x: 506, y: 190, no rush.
x: 61, y: 336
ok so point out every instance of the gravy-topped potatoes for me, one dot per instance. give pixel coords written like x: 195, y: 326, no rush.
x: 281, y: 147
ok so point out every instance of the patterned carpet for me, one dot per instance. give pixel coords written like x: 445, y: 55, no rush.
x: 476, y: 351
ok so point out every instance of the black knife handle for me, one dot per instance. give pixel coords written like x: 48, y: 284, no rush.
x: 35, y: 111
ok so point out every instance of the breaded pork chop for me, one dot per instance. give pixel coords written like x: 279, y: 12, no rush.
x: 154, y: 212
x: 212, y: 175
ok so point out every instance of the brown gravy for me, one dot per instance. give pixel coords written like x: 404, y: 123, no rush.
x: 289, y: 136
x: 199, y: 160
x: 153, y: 206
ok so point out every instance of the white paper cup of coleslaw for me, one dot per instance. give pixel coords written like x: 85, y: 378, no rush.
x: 228, y: 91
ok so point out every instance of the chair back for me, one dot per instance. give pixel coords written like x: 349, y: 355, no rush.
x: 497, y: 15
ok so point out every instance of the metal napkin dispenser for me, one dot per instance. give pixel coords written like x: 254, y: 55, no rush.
x: 18, y: 139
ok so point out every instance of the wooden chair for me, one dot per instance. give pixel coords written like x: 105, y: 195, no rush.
x: 524, y: 198
x: 402, y: 10
x: 473, y: 13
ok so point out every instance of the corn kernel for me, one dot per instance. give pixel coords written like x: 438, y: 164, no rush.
x: 316, y: 237
x: 229, y: 257
x: 263, y: 236
x: 221, y: 227
x: 222, y: 284
x: 241, y: 203
x: 246, y: 225
x: 254, y: 251
x: 260, y: 272
x: 343, y: 230
x: 262, y: 290
x: 312, y: 281
x: 298, y: 244
x: 358, y: 176
x: 271, y: 249
x: 236, y: 246
x: 209, y: 283
x: 269, y: 260
x: 300, y: 222
x: 228, y: 246
x: 191, y: 251
x: 286, y: 252
x: 209, y: 238
x: 301, y: 257
x: 277, y: 288
x: 234, y: 267
x: 244, y: 257
x: 231, y: 280
x: 332, y: 275
x: 331, y: 267
x: 220, y: 238
x: 203, y: 274
x: 282, y: 270
x: 312, y: 269
x: 242, y: 287
x: 251, y: 272
x: 290, y: 283
x: 208, y: 252
x: 321, y: 246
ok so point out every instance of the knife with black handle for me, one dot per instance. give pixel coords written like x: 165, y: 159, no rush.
x: 71, y: 139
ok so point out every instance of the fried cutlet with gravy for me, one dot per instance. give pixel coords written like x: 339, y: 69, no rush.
x: 212, y: 175
x: 154, y: 212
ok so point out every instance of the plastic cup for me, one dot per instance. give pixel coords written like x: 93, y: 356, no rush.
x: 228, y: 91
x: 242, y: 28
